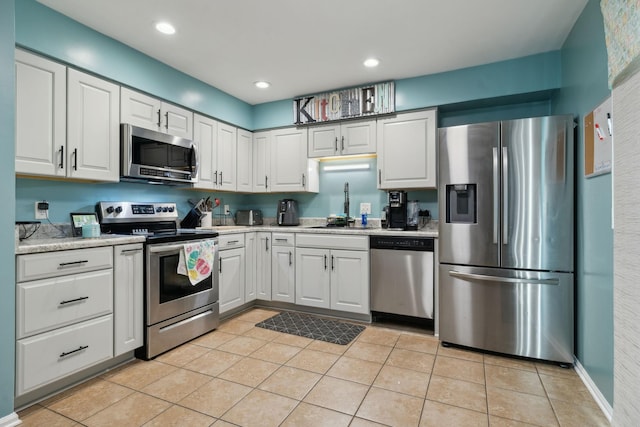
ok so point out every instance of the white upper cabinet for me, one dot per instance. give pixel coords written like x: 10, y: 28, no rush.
x: 93, y: 128
x: 291, y: 171
x: 205, y: 134
x: 217, y: 155
x: 145, y: 111
x: 354, y: 137
x: 244, y: 165
x: 65, y: 128
x: 41, y: 136
x: 407, y: 150
x: 261, y: 162
x: 227, y: 157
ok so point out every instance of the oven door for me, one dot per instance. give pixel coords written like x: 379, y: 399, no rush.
x: 169, y: 294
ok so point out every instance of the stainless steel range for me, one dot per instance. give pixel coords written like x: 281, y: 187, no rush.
x: 175, y: 310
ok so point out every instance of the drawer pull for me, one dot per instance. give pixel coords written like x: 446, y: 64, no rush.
x: 232, y: 242
x: 72, y: 264
x: 131, y: 251
x: 69, y: 301
x: 67, y: 353
x: 280, y: 240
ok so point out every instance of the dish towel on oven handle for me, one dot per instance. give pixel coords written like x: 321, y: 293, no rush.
x: 196, y: 260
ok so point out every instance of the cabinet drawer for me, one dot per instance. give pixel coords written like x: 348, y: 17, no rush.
x: 52, y: 264
x: 325, y: 241
x: 50, y: 303
x: 229, y: 241
x: 283, y: 239
x: 47, y: 357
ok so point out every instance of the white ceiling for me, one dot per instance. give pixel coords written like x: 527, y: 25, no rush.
x: 304, y: 47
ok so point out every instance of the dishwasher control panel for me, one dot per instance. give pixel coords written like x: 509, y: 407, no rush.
x: 408, y: 243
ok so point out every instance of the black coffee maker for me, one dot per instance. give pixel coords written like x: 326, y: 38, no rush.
x: 397, y: 216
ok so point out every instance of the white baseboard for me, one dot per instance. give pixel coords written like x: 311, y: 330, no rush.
x: 10, y: 420
x: 607, y: 410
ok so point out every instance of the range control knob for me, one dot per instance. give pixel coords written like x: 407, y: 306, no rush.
x: 118, y: 209
x: 109, y: 210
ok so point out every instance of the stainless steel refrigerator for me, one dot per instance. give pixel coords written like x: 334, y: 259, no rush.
x: 506, y: 239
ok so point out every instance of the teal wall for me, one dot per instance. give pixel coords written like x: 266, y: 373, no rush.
x: 584, y: 82
x: 7, y: 218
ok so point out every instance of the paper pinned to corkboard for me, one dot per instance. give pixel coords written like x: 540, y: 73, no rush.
x: 598, y: 140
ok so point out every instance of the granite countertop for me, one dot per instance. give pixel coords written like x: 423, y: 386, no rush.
x: 49, y: 241
x: 64, y: 243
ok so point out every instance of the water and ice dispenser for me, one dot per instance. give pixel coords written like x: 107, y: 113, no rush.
x: 462, y: 203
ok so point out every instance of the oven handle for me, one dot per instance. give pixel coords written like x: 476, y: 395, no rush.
x: 166, y: 248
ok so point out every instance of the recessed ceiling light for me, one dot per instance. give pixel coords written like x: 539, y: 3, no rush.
x: 371, y: 62
x: 262, y: 84
x: 165, y: 28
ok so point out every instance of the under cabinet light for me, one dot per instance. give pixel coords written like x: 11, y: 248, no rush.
x: 361, y: 166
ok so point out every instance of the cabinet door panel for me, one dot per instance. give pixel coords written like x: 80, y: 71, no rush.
x: 261, y: 162
x: 40, y: 115
x: 312, y: 277
x: 358, y: 137
x: 205, y: 134
x: 289, y: 160
x: 244, y: 171
x: 93, y: 139
x: 139, y: 109
x: 227, y: 157
x: 283, y: 274
x: 250, y: 248
x: 407, y: 151
x: 231, y: 279
x: 324, y: 141
x: 177, y: 121
x: 263, y: 266
x: 350, y: 281
x: 128, y: 290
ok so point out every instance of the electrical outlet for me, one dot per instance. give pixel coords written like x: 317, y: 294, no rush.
x: 365, y: 208
x: 39, y: 212
x: 227, y: 211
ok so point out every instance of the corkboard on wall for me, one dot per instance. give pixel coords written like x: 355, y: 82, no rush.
x: 598, y: 140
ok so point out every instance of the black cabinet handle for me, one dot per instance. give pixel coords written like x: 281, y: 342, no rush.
x: 304, y: 180
x: 266, y: 243
x: 61, y: 164
x: 379, y: 176
x: 342, y: 144
x: 69, y: 301
x: 332, y: 263
x: 166, y: 120
x: 325, y: 262
x: 220, y: 265
x: 290, y: 261
x: 72, y: 264
x: 75, y: 159
x: 336, y: 144
x: 266, y: 182
x: 159, y: 119
x: 67, y: 353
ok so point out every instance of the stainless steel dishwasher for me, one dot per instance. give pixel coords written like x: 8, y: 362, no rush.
x: 402, y: 275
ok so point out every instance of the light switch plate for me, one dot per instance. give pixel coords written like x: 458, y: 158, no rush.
x: 365, y: 208
x: 41, y: 213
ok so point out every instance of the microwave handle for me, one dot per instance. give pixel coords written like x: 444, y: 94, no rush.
x: 194, y: 156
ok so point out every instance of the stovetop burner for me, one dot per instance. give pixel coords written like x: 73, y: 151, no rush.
x: 156, y: 221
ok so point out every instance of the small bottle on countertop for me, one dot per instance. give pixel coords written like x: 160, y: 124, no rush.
x: 364, y: 220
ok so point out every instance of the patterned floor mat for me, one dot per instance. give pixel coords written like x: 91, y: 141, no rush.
x: 317, y: 328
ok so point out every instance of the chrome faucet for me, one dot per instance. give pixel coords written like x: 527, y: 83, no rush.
x: 346, y: 200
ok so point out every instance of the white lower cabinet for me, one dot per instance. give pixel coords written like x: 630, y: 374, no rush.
x: 231, y: 270
x: 50, y: 356
x: 283, y: 268
x: 250, y: 247
x: 128, y: 298
x: 330, y: 277
x: 263, y: 266
x: 64, y: 314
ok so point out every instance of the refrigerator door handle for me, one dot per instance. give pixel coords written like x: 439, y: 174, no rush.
x: 486, y: 278
x: 505, y: 196
x: 496, y: 196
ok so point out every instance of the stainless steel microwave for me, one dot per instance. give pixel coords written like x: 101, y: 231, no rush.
x: 156, y: 157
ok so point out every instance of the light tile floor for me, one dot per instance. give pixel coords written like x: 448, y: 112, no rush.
x: 246, y: 376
